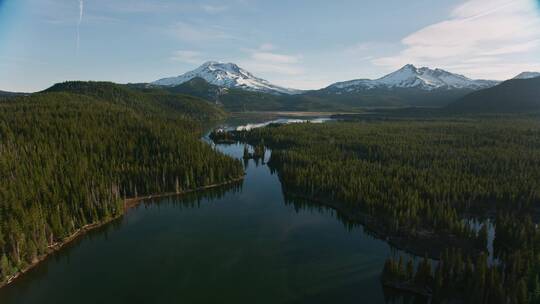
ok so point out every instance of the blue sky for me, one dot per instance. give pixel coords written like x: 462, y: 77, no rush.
x: 304, y: 44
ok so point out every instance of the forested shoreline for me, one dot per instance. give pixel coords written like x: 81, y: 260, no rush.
x: 71, y: 156
x: 423, y: 177
x: 78, y: 154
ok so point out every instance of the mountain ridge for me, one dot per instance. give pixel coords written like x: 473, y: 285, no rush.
x: 228, y: 75
x: 150, y: 101
x: 409, y: 76
x: 511, y: 96
x: 527, y: 75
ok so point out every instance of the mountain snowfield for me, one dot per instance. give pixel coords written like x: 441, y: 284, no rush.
x: 227, y: 75
x: 527, y: 75
x: 410, y: 76
x: 230, y: 75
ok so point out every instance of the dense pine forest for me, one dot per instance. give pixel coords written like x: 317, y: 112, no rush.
x: 417, y: 183
x: 69, y: 157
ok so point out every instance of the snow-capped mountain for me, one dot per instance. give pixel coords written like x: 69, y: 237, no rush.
x: 227, y: 75
x: 410, y: 76
x: 527, y: 75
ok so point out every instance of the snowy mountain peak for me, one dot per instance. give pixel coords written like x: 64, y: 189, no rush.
x: 527, y: 75
x: 410, y: 76
x: 408, y: 67
x: 227, y: 75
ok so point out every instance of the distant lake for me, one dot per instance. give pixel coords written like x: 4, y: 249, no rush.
x: 285, y: 121
x: 239, y: 244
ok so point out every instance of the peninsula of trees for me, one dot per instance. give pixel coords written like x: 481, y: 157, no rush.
x: 418, y: 183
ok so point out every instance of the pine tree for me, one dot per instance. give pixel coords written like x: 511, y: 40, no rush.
x: 410, y: 270
x: 5, y: 267
x: 247, y: 155
x: 522, y: 293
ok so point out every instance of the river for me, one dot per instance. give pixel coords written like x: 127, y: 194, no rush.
x: 240, y: 244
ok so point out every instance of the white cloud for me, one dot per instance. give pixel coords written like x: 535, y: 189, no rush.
x: 267, y: 47
x: 268, y: 67
x: 213, y: 9
x: 477, y: 32
x: 264, y: 60
x: 364, y: 48
x: 309, y: 82
x: 274, y: 58
x: 186, y: 56
x: 143, y: 6
x: 198, y: 33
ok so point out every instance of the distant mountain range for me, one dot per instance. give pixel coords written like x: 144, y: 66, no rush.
x: 527, y: 75
x: 230, y: 75
x: 4, y: 94
x: 410, y: 76
x: 238, y: 89
x: 408, y: 86
x: 521, y: 94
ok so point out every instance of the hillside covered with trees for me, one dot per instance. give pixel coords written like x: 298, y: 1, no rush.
x: 70, y: 156
x: 512, y: 96
x: 416, y: 183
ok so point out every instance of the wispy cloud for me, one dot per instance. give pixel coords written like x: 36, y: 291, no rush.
x: 265, y: 60
x: 274, y: 58
x: 476, y: 32
x: 267, y: 47
x: 81, y: 13
x: 149, y: 7
x: 362, y: 47
x: 213, y: 9
x: 198, y: 32
x: 185, y: 56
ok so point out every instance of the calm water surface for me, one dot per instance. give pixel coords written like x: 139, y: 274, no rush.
x: 240, y: 244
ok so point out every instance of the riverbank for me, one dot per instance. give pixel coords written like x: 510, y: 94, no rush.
x: 408, y: 287
x: 292, y: 114
x: 424, y: 243
x: 128, y: 204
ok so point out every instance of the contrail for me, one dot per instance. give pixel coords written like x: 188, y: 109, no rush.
x: 81, y: 11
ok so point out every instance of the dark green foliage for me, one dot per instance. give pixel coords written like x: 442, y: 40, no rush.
x: 396, y: 97
x: 483, y: 236
x: 236, y: 100
x: 7, y: 95
x: 467, y: 282
x: 259, y: 151
x: 410, y: 270
x: 512, y: 96
x: 423, y: 274
x: 151, y: 101
x: 411, y: 175
x: 247, y: 155
x: 239, y: 100
x: 200, y: 88
x: 420, y: 178
x: 70, y: 159
x: 222, y: 137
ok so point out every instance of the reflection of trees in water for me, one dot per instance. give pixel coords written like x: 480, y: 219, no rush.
x: 188, y: 200
x: 390, y: 295
x: 194, y: 199
x: 301, y: 204
x: 25, y: 282
x: 399, y: 297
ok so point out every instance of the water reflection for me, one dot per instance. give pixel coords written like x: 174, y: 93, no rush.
x: 245, y: 242
x: 195, y: 199
x: 392, y: 296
